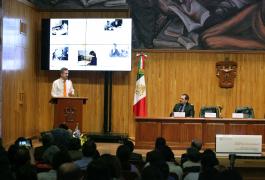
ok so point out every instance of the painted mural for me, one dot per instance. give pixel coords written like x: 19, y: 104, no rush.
x: 186, y: 24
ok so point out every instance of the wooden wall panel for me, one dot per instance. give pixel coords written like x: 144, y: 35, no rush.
x: 168, y: 128
x: 189, y: 131
x: 147, y: 133
x: 211, y: 129
x: 19, y: 71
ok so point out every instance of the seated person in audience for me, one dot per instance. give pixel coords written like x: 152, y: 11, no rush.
x: 49, y: 153
x: 47, y: 140
x: 114, y: 165
x: 184, y: 106
x: 75, y: 149
x: 123, y: 153
x: 192, y: 166
x: 69, y: 171
x: 11, y: 153
x: 26, y: 171
x: 209, y: 165
x: 22, y: 156
x: 58, y: 159
x: 24, y: 146
x: 197, y: 144
x: 134, y: 156
x: 174, y: 167
x: 160, y: 143
x: 98, y: 169
x: 152, y: 172
x: 157, y: 161
x: 64, y: 126
x: 89, y: 150
x: 5, y: 165
x: 62, y: 136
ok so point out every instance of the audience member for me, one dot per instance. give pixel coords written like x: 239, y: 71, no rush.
x: 17, y: 163
x: 134, y: 156
x: 59, y: 158
x: 155, y: 158
x: 26, y: 172
x: 11, y: 153
x: 174, y: 168
x: 209, y: 159
x: 69, y: 171
x: 5, y: 166
x: 49, y: 154
x: 62, y: 136
x: 89, y: 150
x: 114, y: 165
x: 160, y: 143
x: 152, y: 173
x: 192, y: 166
x: 47, y: 140
x: 157, y: 163
x: 197, y: 144
x: 75, y: 149
x: 98, y: 170
x: 22, y: 157
x: 123, y: 153
x: 208, y: 163
x: 64, y: 126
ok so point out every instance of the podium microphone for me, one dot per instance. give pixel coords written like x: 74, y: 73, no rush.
x: 76, y: 92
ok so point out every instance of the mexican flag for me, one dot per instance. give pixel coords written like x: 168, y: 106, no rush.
x: 139, y: 105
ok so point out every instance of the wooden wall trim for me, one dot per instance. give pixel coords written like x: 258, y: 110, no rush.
x: 228, y: 52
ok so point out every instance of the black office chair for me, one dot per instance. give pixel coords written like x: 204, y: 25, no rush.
x: 210, y: 109
x: 247, y: 111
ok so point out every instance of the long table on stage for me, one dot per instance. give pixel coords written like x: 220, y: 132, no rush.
x: 179, y: 132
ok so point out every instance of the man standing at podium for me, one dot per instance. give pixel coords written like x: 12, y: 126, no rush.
x: 184, y: 106
x: 62, y: 87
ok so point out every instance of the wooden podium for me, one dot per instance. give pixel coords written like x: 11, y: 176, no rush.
x: 68, y: 110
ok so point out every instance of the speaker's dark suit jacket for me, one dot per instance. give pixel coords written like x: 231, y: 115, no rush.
x: 188, y: 109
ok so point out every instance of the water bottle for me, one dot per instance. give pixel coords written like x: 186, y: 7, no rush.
x: 77, y: 132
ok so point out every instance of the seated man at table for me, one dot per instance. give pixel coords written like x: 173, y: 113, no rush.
x: 184, y: 106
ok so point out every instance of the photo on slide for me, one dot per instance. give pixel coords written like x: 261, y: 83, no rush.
x: 87, y: 58
x: 59, y: 27
x: 60, y: 53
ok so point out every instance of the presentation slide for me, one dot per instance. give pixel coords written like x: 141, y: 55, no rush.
x: 90, y: 44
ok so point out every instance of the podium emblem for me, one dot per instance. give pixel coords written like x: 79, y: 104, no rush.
x: 69, y: 114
